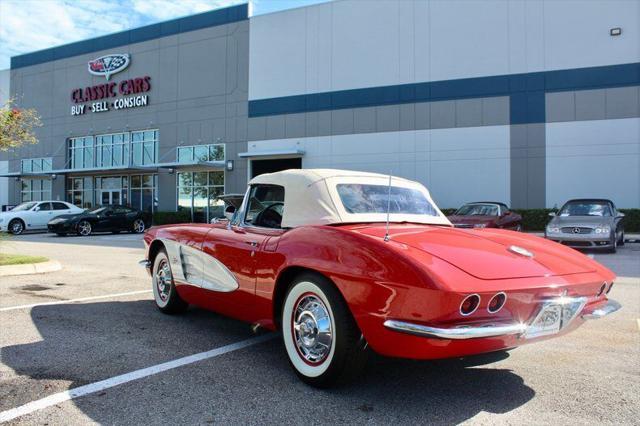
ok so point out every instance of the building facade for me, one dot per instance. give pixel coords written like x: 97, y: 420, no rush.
x: 524, y: 102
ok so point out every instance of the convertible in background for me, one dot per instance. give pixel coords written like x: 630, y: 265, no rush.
x: 343, y: 261
x: 110, y: 218
x: 486, y: 214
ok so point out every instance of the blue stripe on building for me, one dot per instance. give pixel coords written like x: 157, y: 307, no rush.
x: 526, y: 92
x: 176, y: 26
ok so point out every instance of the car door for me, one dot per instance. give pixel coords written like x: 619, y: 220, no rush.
x: 238, y: 244
x: 104, y: 220
x: 41, y: 215
x: 59, y: 208
x: 121, y: 217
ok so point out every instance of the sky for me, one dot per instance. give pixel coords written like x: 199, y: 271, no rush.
x: 30, y: 25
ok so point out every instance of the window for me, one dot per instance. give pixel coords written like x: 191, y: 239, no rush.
x: 35, y: 189
x: 478, y: 210
x: 144, y: 147
x: 60, y: 206
x: 198, y: 192
x: 81, y: 152
x: 36, y: 165
x: 367, y: 199
x: 586, y: 208
x: 212, y: 152
x: 80, y: 191
x: 44, y: 207
x: 143, y: 192
x: 266, y: 206
x: 112, y: 150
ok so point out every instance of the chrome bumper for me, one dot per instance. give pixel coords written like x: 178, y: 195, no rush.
x: 490, y: 330
x: 145, y: 263
x: 607, y: 309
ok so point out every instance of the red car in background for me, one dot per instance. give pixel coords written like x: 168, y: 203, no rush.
x: 486, y: 214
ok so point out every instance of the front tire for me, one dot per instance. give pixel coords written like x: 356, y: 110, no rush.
x: 614, y: 244
x: 164, y: 288
x: 16, y: 226
x: 321, y: 338
x: 621, y: 243
x: 84, y: 228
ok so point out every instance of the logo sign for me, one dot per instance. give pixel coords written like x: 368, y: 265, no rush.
x: 109, y: 64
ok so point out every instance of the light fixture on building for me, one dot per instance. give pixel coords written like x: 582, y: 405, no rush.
x: 229, y: 165
x: 172, y: 171
x: 615, y: 31
x: 54, y: 176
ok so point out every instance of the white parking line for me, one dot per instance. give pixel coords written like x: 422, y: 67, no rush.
x: 57, y: 398
x: 82, y: 299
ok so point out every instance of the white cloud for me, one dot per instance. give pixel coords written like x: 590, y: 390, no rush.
x: 30, y: 25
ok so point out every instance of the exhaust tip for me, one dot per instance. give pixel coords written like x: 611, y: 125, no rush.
x: 497, y: 302
x: 469, y: 304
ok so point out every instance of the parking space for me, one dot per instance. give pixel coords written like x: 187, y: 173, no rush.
x: 113, y: 345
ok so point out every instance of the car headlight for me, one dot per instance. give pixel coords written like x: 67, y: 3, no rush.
x: 553, y: 229
x: 603, y: 230
x: 480, y: 225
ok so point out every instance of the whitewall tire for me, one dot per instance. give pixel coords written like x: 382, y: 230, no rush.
x: 323, y: 343
x: 164, y: 289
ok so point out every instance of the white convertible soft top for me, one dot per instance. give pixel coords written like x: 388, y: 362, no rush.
x: 311, y: 197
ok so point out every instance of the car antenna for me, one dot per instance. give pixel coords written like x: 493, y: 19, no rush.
x: 386, y: 234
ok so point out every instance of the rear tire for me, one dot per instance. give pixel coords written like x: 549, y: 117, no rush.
x: 164, y: 288
x: 139, y: 226
x: 321, y: 338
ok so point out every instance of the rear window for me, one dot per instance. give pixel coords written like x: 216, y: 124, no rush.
x: 366, y: 199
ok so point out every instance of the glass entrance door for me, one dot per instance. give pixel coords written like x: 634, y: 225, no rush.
x: 109, y: 196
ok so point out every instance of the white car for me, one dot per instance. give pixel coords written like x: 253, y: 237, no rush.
x: 34, y: 215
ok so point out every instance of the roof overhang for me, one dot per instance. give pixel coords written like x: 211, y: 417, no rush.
x: 280, y: 153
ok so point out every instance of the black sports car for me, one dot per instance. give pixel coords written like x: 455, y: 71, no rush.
x: 101, y: 219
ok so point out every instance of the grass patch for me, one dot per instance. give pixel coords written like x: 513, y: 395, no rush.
x: 20, y: 259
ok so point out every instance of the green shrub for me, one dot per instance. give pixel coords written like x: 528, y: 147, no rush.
x: 631, y: 220
x: 166, y: 218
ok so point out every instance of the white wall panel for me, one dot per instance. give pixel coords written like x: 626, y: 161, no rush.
x: 348, y: 44
x: 598, y: 158
x: 457, y: 165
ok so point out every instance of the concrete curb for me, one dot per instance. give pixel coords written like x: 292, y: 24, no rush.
x: 30, y: 268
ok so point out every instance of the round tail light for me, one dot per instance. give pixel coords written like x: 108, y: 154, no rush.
x: 497, y: 302
x: 469, y: 304
x: 610, y: 286
x: 603, y: 287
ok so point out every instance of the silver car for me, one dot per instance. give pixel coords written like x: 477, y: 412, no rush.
x: 587, y: 223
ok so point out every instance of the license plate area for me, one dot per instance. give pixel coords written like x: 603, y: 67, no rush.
x: 554, y: 315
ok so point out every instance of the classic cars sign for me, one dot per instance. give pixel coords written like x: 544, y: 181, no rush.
x: 130, y: 93
x: 109, y: 64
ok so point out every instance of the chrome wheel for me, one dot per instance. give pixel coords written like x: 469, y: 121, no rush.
x: 312, y: 329
x: 138, y: 226
x: 163, y: 280
x: 84, y: 228
x: 16, y: 227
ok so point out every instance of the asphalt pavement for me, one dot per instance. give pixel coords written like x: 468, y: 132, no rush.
x: 130, y: 364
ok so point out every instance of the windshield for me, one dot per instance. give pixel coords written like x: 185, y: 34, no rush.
x: 362, y: 198
x: 586, y: 208
x: 478, y: 210
x: 97, y: 210
x: 22, y: 207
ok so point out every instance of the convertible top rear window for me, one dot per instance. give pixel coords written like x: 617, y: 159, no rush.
x: 366, y: 199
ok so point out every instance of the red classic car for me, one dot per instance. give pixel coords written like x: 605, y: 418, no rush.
x: 486, y: 214
x: 343, y: 261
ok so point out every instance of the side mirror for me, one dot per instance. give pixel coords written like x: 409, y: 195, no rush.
x: 552, y: 214
x: 229, y: 212
x: 36, y: 209
x: 620, y: 215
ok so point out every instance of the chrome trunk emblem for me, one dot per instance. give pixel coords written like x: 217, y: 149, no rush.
x: 521, y: 251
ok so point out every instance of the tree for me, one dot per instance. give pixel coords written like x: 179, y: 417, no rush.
x: 17, y: 126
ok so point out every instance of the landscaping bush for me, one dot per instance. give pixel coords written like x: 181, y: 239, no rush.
x: 631, y: 220
x: 166, y: 218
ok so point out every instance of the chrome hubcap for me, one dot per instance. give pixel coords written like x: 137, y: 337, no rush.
x: 138, y: 225
x: 312, y: 329
x: 84, y: 228
x: 163, y: 280
x: 16, y: 228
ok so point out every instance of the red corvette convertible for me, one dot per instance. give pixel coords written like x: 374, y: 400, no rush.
x: 344, y: 261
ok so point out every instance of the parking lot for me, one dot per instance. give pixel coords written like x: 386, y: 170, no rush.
x: 93, y: 327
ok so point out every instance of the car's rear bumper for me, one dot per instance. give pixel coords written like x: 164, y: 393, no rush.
x: 486, y: 330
